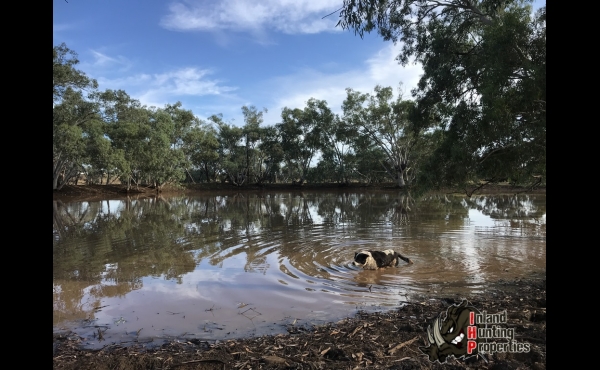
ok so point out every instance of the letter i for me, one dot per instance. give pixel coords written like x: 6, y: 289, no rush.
x: 471, y: 318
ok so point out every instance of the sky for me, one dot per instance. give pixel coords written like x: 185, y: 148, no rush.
x: 217, y: 56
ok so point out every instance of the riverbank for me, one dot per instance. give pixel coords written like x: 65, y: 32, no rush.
x: 98, y: 192
x: 380, y: 340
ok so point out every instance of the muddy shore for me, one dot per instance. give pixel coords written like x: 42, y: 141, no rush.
x: 381, y: 340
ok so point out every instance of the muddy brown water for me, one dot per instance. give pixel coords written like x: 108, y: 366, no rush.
x: 222, y: 266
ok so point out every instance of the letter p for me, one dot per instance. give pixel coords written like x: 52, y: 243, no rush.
x: 471, y: 345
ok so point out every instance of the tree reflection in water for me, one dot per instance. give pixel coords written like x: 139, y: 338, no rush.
x: 297, y: 240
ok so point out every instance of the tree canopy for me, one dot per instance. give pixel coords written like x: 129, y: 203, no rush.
x: 483, y: 86
x: 477, y: 115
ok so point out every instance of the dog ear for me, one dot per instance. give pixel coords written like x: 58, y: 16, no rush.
x: 355, y: 254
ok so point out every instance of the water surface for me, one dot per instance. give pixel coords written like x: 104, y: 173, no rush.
x: 222, y: 266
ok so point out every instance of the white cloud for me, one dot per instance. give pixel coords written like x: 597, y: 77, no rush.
x: 287, y: 16
x: 293, y: 91
x: 60, y: 32
x: 187, y: 84
x: 163, y: 88
x: 61, y: 27
x: 102, y: 60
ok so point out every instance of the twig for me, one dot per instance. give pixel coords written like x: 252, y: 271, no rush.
x: 355, y: 331
x: 193, y: 361
x: 477, y: 188
x: 536, y: 183
x: 241, y: 313
x: 333, y: 12
x: 391, y: 351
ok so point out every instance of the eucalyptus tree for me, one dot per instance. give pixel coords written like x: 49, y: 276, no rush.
x: 183, y: 121
x: 201, y: 148
x: 484, y: 80
x: 102, y: 157
x: 365, y: 162
x: 300, y: 138
x: 270, y: 155
x: 232, y: 154
x: 128, y: 128
x: 334, y: 141
x: 73, y: 105
x: 65, y: 77
x: 168, y: 159
x: 385, y: 123
x: 253, y: 133
x: 291, y: 142
x: 164, y: 162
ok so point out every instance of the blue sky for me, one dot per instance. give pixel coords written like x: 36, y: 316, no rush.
x: 217, y: 56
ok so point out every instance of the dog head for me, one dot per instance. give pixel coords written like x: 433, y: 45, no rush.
x: 365, y: 260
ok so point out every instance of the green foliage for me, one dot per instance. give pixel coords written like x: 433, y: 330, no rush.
x: 201, y: 148
x: 64, y: 75
x: 70, y: 111
x: 163, y: 162
x: 301, y: 137
x: 232, y: 155
x: 478, y: 113
x: 127, y: 124
x: 484, y: 81
x: 382, y: 129
x: 270, y: 155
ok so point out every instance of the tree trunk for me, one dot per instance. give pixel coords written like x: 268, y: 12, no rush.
x: 191, y: 177
x: 207, y: 172
x: 400, y: 179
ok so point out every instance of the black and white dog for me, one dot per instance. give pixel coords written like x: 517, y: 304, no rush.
x: 372, y: 260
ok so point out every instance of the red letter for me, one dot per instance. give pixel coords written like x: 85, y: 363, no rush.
x: 471, y: 332
x: 471, y: 345
x: 471, y: 318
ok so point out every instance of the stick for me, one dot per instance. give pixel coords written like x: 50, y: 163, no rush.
x: 192, y: 361
x: 402, y: 359
x: 391, y: 351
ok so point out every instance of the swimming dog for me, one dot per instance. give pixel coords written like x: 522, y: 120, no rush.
x: 372, y: 260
